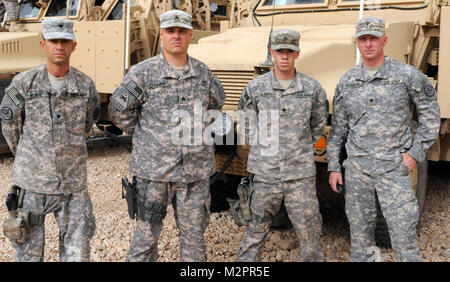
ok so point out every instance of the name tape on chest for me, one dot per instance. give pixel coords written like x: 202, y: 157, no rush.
x: 32, y: 95
x: 351, y: 85
x: 302, y: 94
x: 77, y: 95
x: 153, y: 85
x: 297, y: 94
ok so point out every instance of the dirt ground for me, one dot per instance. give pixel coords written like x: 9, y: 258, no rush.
x: 114, y: 230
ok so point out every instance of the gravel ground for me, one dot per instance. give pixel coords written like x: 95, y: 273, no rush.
x: 114, y: 230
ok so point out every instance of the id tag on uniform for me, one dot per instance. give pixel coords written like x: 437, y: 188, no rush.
x: 284, y: 111
x: 371, y: 101
x: 182, y: 100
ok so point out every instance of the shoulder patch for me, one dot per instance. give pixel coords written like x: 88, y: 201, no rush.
x: 15, y: 96
x: 429, y: 90
x: 337, y: 94
x: 240, y: 104
x: 419, y: 81
x: 217, y: 89
x: 243, y: 100
x: 134, y: 89
x: 6, y: 113
x: 120, y: 98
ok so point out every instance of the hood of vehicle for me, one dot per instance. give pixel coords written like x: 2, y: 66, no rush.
x: 326, y: 51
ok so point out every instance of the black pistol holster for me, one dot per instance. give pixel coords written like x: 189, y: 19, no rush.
x: 19, y: 222
x: 147, y: 209
x: 129, y: 192
x: 138, y: 203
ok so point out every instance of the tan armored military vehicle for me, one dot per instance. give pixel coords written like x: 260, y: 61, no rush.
x: 416, y: 36
x: 101, y: 30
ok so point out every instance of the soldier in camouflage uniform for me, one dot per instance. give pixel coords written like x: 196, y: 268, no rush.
x: 145, y: 105
x: 298, y: 112
x: 373, y: 108
x: 12, y: 9
x: 47, y: 113
x: 2, y: 15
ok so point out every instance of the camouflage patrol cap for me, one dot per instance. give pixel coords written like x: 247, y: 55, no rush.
x: 58, y: 29
x: 285, y: 39
x: 175, y: 18
x: 372, y: 26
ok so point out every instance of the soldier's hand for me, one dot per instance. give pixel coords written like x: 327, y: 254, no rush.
x: 334, y: 179
x: 410, y: 162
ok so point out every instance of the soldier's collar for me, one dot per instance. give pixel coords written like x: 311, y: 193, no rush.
x: 381, y: 73
x: 383, y: 69
x: 169, y: 72
x: 296, y: 83
x: 274, y: 81
x: 71, y: 83
x: 42, y: 75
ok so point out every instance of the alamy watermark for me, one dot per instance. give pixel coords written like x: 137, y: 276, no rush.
x: 195, y: 128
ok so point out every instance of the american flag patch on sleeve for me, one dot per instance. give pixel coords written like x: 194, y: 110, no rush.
x: 15, y: 96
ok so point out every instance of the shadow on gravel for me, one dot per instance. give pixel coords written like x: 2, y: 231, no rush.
x: 439, y: 171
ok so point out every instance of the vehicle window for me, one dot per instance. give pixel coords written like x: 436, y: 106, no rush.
x: 28, y: 10
x: 117, y: 12
x: 58, y: 8
x: 221, y: 10
x: 73, y: 7
x: 291, y: 2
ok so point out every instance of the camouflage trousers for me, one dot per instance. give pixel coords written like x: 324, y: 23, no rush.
x: 398, y: 204
x: 76, y: 222
x: 190, y: 202
x: 302, y: 207
x: 12, y: 9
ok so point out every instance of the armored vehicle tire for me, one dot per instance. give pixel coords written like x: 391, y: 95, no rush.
x: 382, y: 237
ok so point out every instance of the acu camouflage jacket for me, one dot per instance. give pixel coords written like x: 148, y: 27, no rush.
x: 376, y: 115
x: 301, y: 111
x: 146, y: 104
x: 46, y: 130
